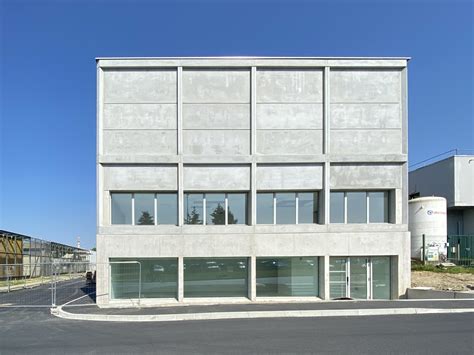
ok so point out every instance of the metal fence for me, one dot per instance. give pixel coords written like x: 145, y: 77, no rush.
x: 461, y: 250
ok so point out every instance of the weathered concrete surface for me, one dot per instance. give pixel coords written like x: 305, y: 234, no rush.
x: 289, y: 177
x: 230, y: 178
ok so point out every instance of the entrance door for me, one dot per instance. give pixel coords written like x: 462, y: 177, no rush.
x: 360, y: 277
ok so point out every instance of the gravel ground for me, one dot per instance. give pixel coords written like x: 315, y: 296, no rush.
x: 442, y: 281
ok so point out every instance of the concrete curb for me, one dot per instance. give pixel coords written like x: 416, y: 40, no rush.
x: 59, y: 312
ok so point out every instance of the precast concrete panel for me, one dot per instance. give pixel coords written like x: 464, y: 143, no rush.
x: 289, y: 85
x: 216, y: 86
x: 351, y: 86
x: 365, y: 176
x: 140, y: 116
x: 365, y: 116
x: 140, y: 178
x: 216, y: 142
x: 366, y: 141
x: 216, y: 178
x: 285, y: 142
x: 289, y: 177
x: 216, y: 116
x: 139, y: 142
x: 464, y: 180
x: 140, y: 86
x: 289, y: 116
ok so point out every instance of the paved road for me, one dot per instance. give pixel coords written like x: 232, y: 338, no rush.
x: 41, y: 295
x: 35, y: 331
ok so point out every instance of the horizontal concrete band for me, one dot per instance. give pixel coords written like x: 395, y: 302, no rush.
x: 59, y: 312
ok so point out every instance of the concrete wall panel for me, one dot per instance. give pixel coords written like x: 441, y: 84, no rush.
x: 216, y: 86
x: 366, y: 142
x: 464, y: 181
x: 287, y: 85
x: 351, y: 86
x: 216, y: 116
x: 289, y: 177
x: 140, y: 86
x: 216, y: 142
x: 365, y: 116
x: 140, y: 178
x: 365, y: 176
x: 289, y: 142
x: 140, y: 116
x: 129, y: 142
x: 289, y: 116
x: 216, y: 178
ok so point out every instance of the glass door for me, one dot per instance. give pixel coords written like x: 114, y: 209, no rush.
x: 381, y: 277
x: 358, y: 278
x: 337, y: 277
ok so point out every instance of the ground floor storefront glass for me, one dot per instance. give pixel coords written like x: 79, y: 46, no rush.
x: 360, y: 277
x: 291, y: 277
x: 215, y: 277
x: 159, y: 278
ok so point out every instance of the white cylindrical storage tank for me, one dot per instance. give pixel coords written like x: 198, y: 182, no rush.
x: 427, y: 215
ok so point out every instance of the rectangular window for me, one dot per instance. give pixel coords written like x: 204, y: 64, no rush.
x: 159, y: 278
x: 121, y: 208
x: 215, y: 277
x: 359, y: 207
x: 337, y: 207
x: 265, y: 208
x: 193, y: 208
x: 167, y: 208
x: 285, y: 208
x: 237, y: 208
x: 356, y: 207
x: 215, y: 209
x: 378, y: 207
x: 337, y: 277
x: 144, y: 208
x: 219, y: 208
x: 294, y: 276
x: 381, y: 277
x: 307, y: 207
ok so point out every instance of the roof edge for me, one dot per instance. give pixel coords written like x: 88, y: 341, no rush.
x: 253, y: 57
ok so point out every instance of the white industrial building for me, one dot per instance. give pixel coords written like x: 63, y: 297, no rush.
x: 251, y: 179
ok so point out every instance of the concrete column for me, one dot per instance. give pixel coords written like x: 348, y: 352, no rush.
x: 253, y: 148
x: 326, y: 138
x: 252, y: 278
x: 179, y: 110
x: 324, y: 277
x: 180, y: 279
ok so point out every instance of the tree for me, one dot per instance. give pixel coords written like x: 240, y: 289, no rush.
x: 218, y: 215
x: 230, y: 218
x: 146, y: 218
x: 193, y: 218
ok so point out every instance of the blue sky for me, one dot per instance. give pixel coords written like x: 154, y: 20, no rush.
x: 47, y: 82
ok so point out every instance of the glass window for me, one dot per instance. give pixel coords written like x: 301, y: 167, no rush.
x: 159, y: 278
x: 215, y: 277
x: 121, y: 208
x: 378, y: 207
x: 193, y: 208
x: 337, y: 207
x: 296, y: 276
x: 265, y: 208
x: 285, y: 208
x: 215, y: 208
x: 307, y: 207
x: 356, y: 207
x: 167, y: 208
x: 144, y: 209
x: 381, y: 277
x: 237, y: 208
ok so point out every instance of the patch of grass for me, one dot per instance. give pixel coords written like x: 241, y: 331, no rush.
x: 418, y: 266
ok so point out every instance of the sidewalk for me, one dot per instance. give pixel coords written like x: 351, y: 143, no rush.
x: 264, y: 310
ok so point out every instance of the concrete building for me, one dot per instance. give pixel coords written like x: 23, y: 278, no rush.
x: 453, y: 179
x: 252, y: 179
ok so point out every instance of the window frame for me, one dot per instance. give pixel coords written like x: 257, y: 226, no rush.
x: 296, y: 192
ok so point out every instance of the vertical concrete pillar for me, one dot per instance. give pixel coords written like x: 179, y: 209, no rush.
x: 324, y: 277
x: 326, y: 148
x: 252, y: 278
x: 179, y: 125
x: 180, y: 279
x: 253, y: 148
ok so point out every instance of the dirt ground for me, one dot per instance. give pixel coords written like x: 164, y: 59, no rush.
x: 442, y: 281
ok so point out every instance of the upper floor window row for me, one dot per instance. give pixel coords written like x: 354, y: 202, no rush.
x: 144, y: 208
x: 359, y: 207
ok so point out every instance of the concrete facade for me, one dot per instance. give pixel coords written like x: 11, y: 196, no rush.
x: 453, y: 179
x: 253, y: 124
